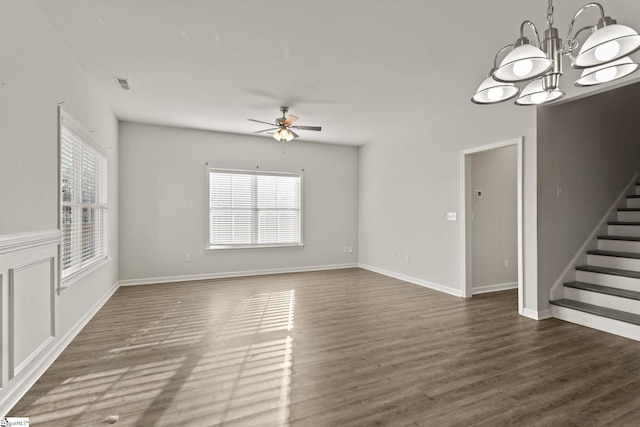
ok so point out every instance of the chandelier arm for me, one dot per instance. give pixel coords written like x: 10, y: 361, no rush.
x: 570, y: 35
x: 535, y: 32
x: 574, y: 43
x: 495, y: 60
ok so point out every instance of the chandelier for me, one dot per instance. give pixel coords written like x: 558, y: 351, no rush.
x: 603, y: 57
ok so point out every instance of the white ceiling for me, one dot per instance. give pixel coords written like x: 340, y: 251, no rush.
x: 358, y: 68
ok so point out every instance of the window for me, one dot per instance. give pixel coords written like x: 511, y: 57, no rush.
x: 84, y: 181
x: 254, y: 209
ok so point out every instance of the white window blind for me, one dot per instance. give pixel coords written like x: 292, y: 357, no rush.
x: 253, y: 209
x: 84, y: 180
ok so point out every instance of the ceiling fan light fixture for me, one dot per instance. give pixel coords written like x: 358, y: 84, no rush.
x: 283, y: 133
x: 607, y: 72
x: 607, y: 44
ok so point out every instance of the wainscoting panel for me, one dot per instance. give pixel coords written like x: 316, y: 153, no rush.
x: 29, y: 281
x: 31, y: 311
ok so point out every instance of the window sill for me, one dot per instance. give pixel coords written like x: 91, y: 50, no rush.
x: 236, y: 247
x: 73, y: 278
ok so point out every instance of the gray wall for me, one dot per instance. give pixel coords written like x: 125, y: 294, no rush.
x: 495, y: 218
x: 590, y: 148
x: 163, y: 198
x: 37, y: 72
x: 409, y: 184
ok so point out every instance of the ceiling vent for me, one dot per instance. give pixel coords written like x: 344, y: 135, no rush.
x: 122, y: 83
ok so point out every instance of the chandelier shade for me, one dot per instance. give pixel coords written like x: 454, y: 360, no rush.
x: 523, y: 63
x: 607, y: 44
x: 535, y: 94
x: 532, y: 70
x: 491, y: 91
x: 607, y: 72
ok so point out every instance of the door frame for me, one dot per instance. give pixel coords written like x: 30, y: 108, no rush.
x: 465, y: 223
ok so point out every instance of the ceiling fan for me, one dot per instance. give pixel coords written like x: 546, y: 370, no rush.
x: 283, y: 126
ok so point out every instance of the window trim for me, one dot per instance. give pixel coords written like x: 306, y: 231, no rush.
x: 64, y: 119
x: 210, y: 247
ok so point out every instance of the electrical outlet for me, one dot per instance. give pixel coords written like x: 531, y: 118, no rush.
x: 451, y: 216
x: 350, y: 249
x: 187, y: 258
x: 506, y: 263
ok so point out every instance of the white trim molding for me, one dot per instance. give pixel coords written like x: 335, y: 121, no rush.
x: 414, y: 280
x: 465, y: 259
x: 538, y: 315
x: 229, y: 274
x: 494, y: 288
x: 17, y: 242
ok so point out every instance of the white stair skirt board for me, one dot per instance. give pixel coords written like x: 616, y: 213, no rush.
x: 618, y: 245
x: 614, y: 262
x: 605, y: 324
x: 494, y: 288
x: 603, y: 300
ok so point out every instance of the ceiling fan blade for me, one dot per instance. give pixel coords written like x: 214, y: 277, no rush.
x: 295, y: 135
x: 260, y: 121
x: 265, y: 130
x: 290, y: 119
x: 318, y: 128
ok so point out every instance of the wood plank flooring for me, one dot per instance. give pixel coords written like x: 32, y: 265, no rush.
x: 332, y: 348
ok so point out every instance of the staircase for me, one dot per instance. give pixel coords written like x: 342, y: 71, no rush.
x: 606, y: 292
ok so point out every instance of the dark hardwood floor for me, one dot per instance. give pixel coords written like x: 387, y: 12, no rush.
x: 332, y: 348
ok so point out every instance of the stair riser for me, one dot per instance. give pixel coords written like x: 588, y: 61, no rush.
x: 608, y: 280
x: 632, y: 216
x: 624, y: 230
x: 616, y: 327
x: 614, y: 262
x: 633, y: 203
x: 603, y: 300
x: 618, y: 245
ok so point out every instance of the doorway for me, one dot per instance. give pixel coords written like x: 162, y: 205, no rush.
x: 488, y: 263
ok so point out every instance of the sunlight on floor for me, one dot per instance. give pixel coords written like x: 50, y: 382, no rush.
x: 185, y: 364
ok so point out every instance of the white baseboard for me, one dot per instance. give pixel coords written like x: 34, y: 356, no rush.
x: 22, y: 385
x: 494, y: 288
x: 229, y: 274
x: 414, y: 280
x: 538, y: 314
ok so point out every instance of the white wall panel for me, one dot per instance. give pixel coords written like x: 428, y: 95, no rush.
x: 31, y: 311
